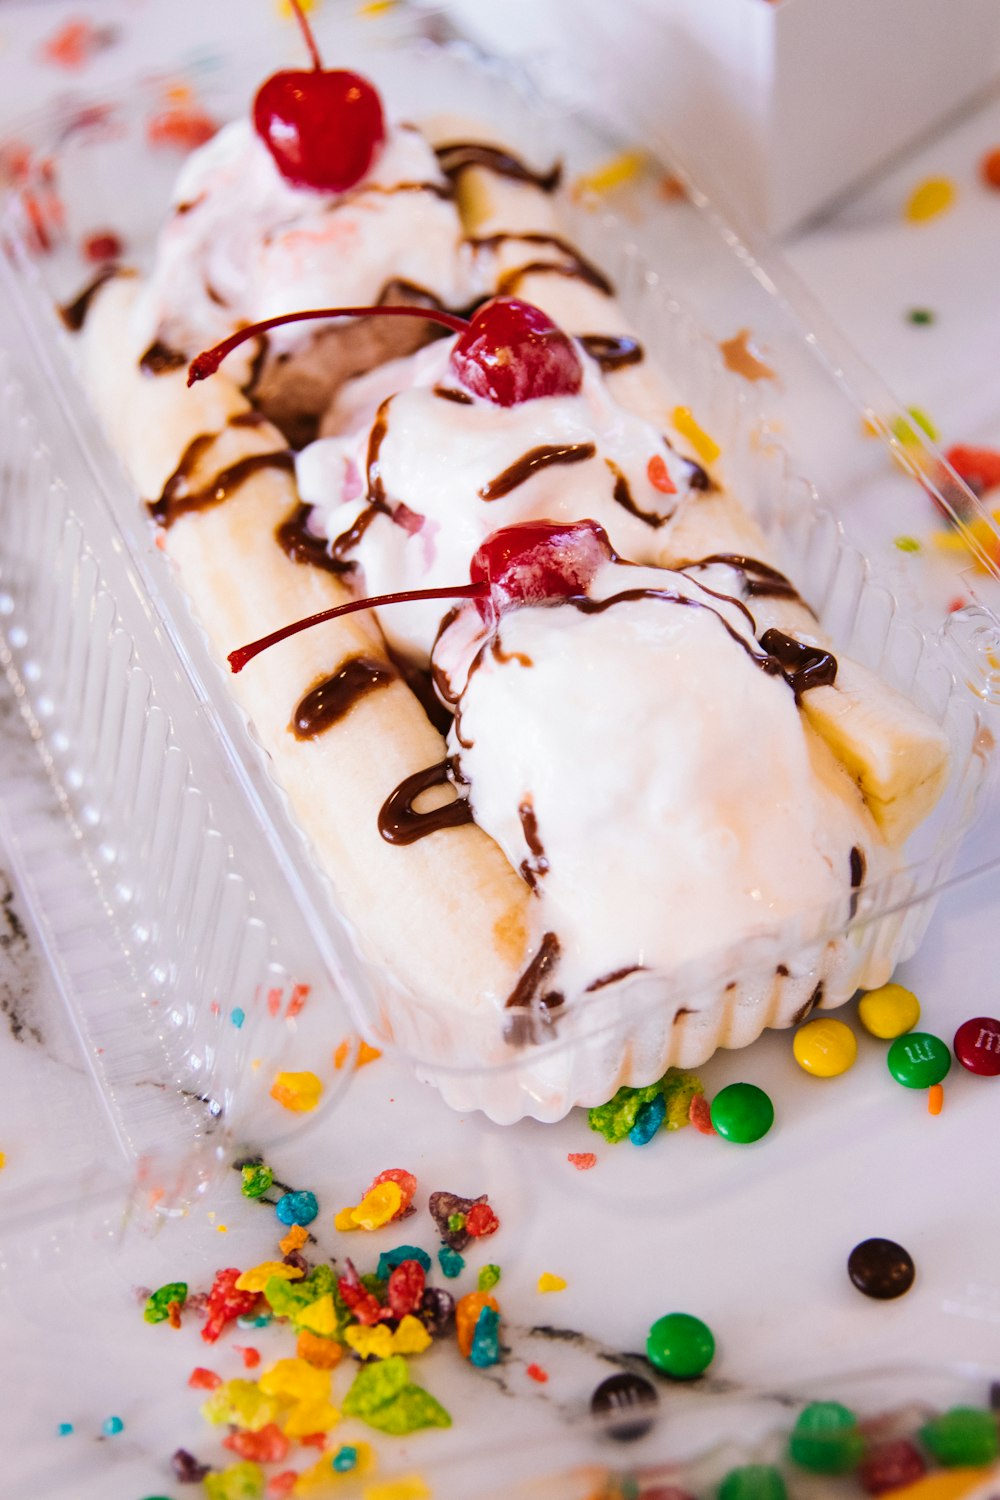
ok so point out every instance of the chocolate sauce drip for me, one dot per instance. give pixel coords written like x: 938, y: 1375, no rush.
x: 251, y: 418
x: 578, y: 270
x: 159, y: 358
x: 335, y: 696
x: 74, y: 314
x: 768, y: 663
x: 421, y: 685
x: 349, y: 539
x: 454, y: 156
x: 256, y: 365
x: 576, y: 264
x: 530, y: 462
x: 762, y: 581
x: 612, y: 351
x: 614, y: 976
x: 178, y: 499
x: 533, y: 1007
x: 400, y: 292
x: 623, y: 495
x: 449, y: 393
x: 698, y: 478
x: 532, y: 869
x: 376, y: 489
x: 857, y: 867
x: 503, y: 657
x: 302, y: 545
x: 439, y: 189
x: 804, y: 666
x: 809, y: 1004
x: 399, y: 823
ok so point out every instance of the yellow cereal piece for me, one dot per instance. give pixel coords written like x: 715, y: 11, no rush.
x: 549, y: 1283
x: 375, y: 1209
x: 825, y: 1048
x: 256, y: 1279
x: 889, y: 1012
x: 319, y: 1317
x: 309, y: 1417
x: 978, y: 538
x: 321, y: 1478
x: 411, y: 1337
x: 285, y: 10
x: 706, y: 448
x: 611, y: 174
x: 406, y: 1487
x: 294, y: 1239
x: 933, y: 196
x: 294, y: 1380
x: 241, y: 1403
x: 299, y: 1092
x: 322, y: 1353
x: 373, y: 1342
x: 377, y: 7
x: 3, y: 1160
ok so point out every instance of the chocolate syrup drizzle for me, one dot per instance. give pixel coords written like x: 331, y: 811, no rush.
x: 451, y: 393
x: 612, y: 351
x: 455, y: 156
x: 527, y: 997
x: 802, y: 666
x: 399, y: 823
x: 623, y: 495
x: 578, y: 270
x: 74, y: 314
x: 576, y: 264
x: 334, y: 697
x: 159, y: 358
x: 529, y: 463
x: 761, y: 580
x: 532, y: 869
x: 299, y: 543
x: 178, y: 498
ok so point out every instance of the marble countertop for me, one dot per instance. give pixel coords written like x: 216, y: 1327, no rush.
x: 754, y: 1242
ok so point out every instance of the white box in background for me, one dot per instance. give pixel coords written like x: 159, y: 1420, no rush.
x: 777, y: 107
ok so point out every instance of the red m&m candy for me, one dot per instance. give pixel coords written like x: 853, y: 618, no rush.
x: 977, y: 1046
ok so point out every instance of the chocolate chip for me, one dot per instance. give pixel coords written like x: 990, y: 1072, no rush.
x: 437, y: 1310
x: 187, y: 1469
x: 881, y: 1268
x: 627, y: 1394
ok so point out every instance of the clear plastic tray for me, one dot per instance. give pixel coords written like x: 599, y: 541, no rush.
x: 203, y: 896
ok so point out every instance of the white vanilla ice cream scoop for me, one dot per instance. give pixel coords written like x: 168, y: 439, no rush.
x: 659, y: 788
x: 243, y: 244
x: 448, y: 472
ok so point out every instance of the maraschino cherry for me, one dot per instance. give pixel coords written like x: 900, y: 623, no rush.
x: 509, y: 352
x: 533, y: 563
x: 324, y: 127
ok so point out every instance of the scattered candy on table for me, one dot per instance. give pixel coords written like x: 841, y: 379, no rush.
x: 704, y: 446
x: 547, y: 1282
x: 922, y: 316
x: 826, y: 1439
x: 489, y: 1275
x: 880, y: 1268
x: 919, y: 1060
x: 298, y: 1092
x: 889, y: 1466
x: 158, y: 1304
x: 111, y: 1426
x: 460, y: 1220
x: 624, y: 1113
x: 825, y: 1047
x: 753, y: 1482
x: 964, y: 1436
x: 297, y: 1208
x: 622, y: 1397
x: 977, y: 1046
x: 582, y: 1160
x: 256, y: 1179
x: 64, y: 1429
x: 452, y: 1264
x: 932, y: 197
x: 989, y: 168
x: 742, y: 1112
x: 680, y: 1346
x: 889, y: 1012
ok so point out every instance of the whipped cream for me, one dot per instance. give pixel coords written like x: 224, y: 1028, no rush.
x: 662, y: 792
x: 243, y: 244
x: 436, y: 459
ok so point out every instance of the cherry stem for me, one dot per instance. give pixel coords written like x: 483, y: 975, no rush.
x: 239, y: 658
x: 307, y: 32
x: 208, y: 362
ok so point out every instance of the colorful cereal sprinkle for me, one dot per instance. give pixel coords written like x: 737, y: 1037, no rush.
x: 929, y: 199
x: 989, y: 169
x: 582, y: 1160
x: 704, y: 446
x: 621, y: 1115
x: 547, y: 1282
x: 298, y: 1092
x: 611, y: 174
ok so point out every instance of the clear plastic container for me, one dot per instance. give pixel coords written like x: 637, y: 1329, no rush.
x: 202, y: 894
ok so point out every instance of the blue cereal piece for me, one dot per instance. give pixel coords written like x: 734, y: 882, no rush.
x: 648, y: 1121
x: 345, y: 1459
x: 390, y: 1259
x: 297, y: 1208
x: 112, y: 1426
x: 237, y: 1015
x: 485, y: 1349
x: 452, y: 1264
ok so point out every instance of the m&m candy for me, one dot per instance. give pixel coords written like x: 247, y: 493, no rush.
x: 888, y: 1012
x: 680, y: 1346
x: 977, y: 1046
x: 753, y: 1482
x: 881, y: 1269
x: 825, y: 1048
x: 742, y: 1112
x: 919, y: 1060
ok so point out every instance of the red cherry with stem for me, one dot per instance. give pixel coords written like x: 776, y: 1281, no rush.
x: 535, y: 563
x: 322, y: 128
x: 509, y: 352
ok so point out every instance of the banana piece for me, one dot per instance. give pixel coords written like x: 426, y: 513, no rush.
x: 471, y: 939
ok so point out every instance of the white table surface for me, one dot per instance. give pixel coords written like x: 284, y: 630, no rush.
x: 753, y: 1242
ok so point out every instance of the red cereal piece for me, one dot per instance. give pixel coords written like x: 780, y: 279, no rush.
x: 180, y: 127
x: 659, y: 475
x: 251, y: 1357
x: 890, y: 1466
x: 700, y: 1114
x: 274, y: 998
x: 582, y: 1160
x: 314, y: 1440
x: 75, y: 43
x: 282, y: 1484
x: 406, y: 1288
x: 989, y: 169
x: 298, y: 998
x: 174, y: 1314
x: 201, y: 1379
x: 481, y: 1221
x: 225, y: 1304
x: 979, y: 467
x: 267, y: 1446
x: 535, y: 1372
x: 363, y: 1304
x: 405, y: 1181
x: 101, y: 246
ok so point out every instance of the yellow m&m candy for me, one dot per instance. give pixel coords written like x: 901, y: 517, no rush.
x: 889, y: 1012
x: 825, y: 1048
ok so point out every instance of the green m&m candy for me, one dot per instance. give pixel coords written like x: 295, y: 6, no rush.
x: 753, y: 1482
x: 680, y: 1346
x: 742, y: 1112
x: 826, y: 1439
x: 919, y: 1060
x: 966, y: 1436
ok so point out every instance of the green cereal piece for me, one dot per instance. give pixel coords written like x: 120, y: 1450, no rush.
x: 157, y: 1308
x: 289, y: 1298
x: 411, y: 1410
x: 242, y: 1481
x: 240, y: 1403
x: 615, y: 1119
x: 488, y: 1277
x: 375, y: 1385
x: 678, y: 1090
x: 374, y: 1284
x: 908, y: 544
x: 256, y: 1180
x: 456, y: 1222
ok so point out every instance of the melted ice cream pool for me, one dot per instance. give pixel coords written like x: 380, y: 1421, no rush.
x: 436, y: 457
x: 662, y: 791
x: 243, y: 244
